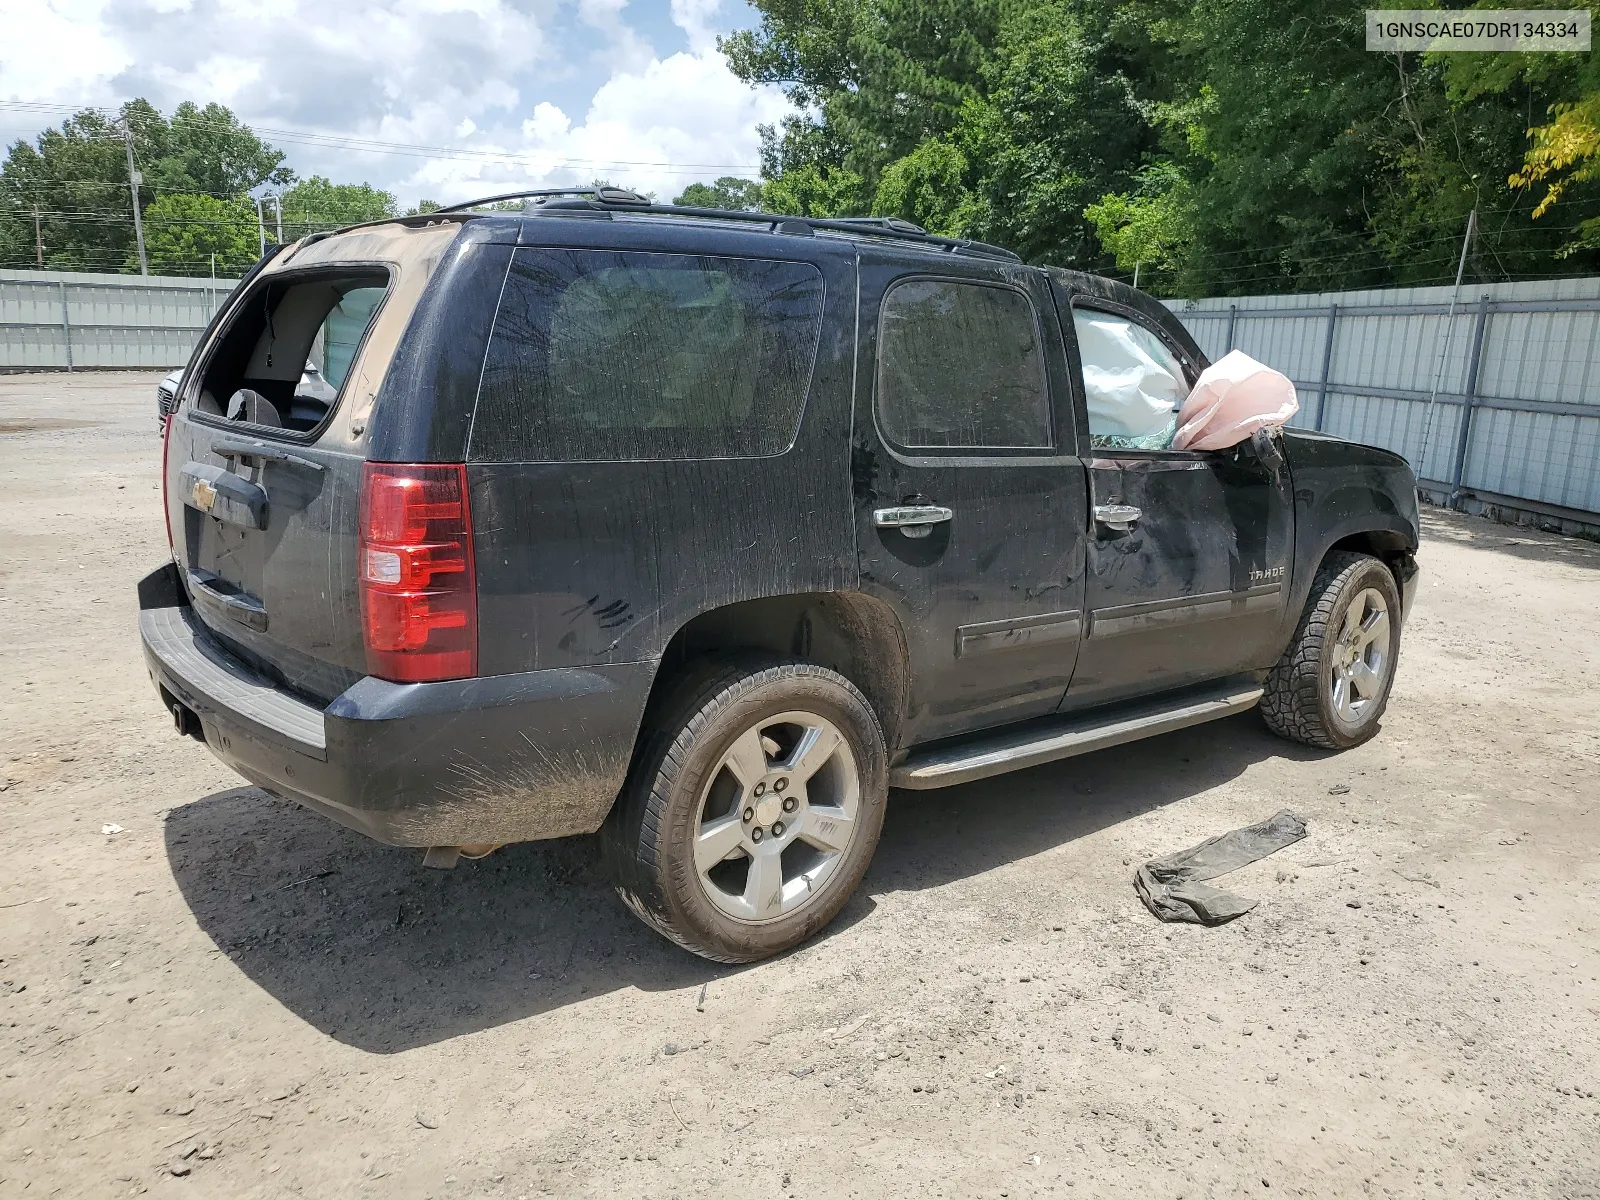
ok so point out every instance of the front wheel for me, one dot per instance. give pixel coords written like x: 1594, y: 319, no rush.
x: 752, y: 810
x: 1332, y: 684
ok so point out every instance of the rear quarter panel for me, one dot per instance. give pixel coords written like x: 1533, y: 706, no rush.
x: 591, y: 563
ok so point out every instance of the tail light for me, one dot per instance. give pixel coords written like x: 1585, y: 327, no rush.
x: 166, y: 448
x: 419, y: 591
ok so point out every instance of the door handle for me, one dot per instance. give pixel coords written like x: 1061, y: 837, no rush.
x: 913, y: 520
x: 1118, y: 518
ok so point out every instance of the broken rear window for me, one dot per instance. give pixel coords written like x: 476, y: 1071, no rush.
x: 285, y: 357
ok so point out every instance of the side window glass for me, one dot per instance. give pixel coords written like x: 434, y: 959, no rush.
x: 1132, y: 383
x: 608, y: 355
x: 960, y: 366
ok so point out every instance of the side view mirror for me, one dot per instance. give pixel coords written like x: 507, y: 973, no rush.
x: 1265, y: 446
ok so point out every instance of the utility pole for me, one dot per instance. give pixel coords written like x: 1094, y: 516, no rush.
x: 134, y: 180
x: 277, y: 203
x: 261, y: 227
x: 1444, y: 346
x: 1136, y: 267
x: 38, y: 239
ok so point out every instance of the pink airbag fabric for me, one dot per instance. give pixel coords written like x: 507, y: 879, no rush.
x: 1233, y: 398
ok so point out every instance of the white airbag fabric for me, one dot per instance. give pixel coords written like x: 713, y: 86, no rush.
x: 1233, y: 398
x: 1130, y: 389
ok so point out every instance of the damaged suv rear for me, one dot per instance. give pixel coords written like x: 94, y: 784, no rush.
x: 701, y: 529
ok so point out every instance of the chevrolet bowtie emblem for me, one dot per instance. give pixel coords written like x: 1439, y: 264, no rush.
x: 203, y: 495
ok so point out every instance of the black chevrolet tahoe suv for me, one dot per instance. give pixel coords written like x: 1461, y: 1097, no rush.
x: 703, y: 530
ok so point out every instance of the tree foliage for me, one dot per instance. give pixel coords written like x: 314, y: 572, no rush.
x: 317, y: 204
x: 198, y: 170
x: 729, y: 192
x: 76, y: 178
x: 182, y: 233
x: 1226, y: 146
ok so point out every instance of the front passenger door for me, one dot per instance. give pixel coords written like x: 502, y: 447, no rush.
x: 1189, y: 551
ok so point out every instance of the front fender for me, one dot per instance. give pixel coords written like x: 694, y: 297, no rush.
x: 1345, y: 490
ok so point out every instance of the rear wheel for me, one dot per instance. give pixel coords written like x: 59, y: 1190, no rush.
x: 752, y: 810
x: 1332, y: 684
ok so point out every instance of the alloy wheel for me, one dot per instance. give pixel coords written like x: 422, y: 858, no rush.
x: 776, y: 817
x: 1361, y: 658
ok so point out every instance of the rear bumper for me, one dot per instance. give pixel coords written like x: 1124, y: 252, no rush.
x: 499, y: 759
x: 1409, y: 574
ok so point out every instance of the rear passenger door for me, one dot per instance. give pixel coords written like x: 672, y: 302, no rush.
x: 1188, y: 558
x: 970, y: 500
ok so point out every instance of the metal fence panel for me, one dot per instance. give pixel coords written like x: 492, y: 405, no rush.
x: 66, y: 320
x: 1365, y: 363
x: 1515, y: 368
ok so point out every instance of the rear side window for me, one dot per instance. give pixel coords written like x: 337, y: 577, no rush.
x: 603, y: 355
x: 960, y: 366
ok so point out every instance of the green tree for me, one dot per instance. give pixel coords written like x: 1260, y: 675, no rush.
x: 927, y: 187
x: 183, y: 232
x: 1247, y: 145
x: 1055, y: 128
x: 1149, y: 231
x: 76, y: 177
x: 317, y: 204
x: 1560, y: 93
x: 729, y: 192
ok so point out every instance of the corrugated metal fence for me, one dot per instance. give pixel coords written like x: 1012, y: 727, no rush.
x: 1516, y: 370
x: 1513, y: 376
x: 64, y: 320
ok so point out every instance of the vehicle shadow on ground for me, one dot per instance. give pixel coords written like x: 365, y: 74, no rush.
x: 359, y: 941
x: 1516, y: 541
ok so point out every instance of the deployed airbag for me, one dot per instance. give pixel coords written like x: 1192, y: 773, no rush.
x: 1233, y: 398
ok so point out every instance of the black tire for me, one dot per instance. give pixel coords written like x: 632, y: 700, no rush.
x: 1299, y: 700
x: 648, y: 841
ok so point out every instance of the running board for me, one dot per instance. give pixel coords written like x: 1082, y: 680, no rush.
x: 1013, y: 750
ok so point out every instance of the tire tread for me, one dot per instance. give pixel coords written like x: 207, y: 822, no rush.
x: 631, y: 835
x: 1291, y: 702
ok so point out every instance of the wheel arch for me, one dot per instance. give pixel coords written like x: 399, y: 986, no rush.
x: 1389, y: 546
x: 849, y: 632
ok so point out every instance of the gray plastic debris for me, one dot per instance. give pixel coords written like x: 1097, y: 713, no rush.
x: 1171, y: 887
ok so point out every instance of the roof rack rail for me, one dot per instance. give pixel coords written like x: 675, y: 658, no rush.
x: 606, y: 195
x: 606, y: 199
x: 610, y: 199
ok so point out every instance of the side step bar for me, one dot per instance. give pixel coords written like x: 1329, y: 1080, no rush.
x: 1012, y: 750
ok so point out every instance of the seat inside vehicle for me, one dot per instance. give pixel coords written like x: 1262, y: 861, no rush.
x: 285, y: 358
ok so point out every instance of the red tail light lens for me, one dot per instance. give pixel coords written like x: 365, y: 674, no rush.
x: 419, y: 591
x: 166, y: 448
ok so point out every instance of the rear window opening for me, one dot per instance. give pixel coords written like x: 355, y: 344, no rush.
x: 284, y: 359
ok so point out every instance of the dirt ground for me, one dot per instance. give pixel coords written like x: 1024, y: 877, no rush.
x: 205, y: 992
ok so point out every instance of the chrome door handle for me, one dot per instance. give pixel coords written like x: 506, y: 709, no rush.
x: 1117, y: 517
x: 913, y: 520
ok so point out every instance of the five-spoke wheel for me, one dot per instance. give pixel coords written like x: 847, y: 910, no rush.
x: 751, y: 816
x: 777, y: 816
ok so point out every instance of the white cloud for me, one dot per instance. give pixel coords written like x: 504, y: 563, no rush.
x: 58, y: 51
x: 479, y: 76
x: 697, y: 19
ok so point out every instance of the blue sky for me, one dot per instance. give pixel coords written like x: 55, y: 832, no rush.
x: 489, y: 95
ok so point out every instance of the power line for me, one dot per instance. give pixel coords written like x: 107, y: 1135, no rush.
x: 379, y: 146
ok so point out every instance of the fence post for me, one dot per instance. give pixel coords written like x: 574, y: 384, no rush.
x: 1476, y: 357
x: 1233, y: 315
x: 66, y: 324
x: 1327, y: 363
